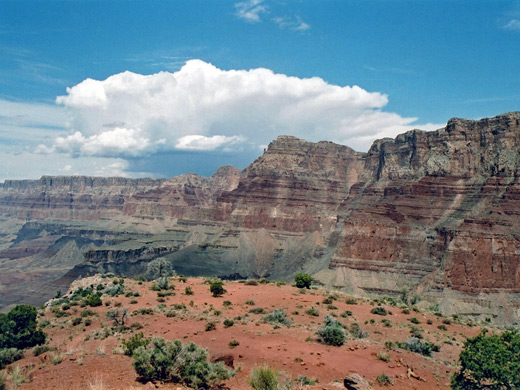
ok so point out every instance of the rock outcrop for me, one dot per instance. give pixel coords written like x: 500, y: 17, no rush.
x: 434, y: 213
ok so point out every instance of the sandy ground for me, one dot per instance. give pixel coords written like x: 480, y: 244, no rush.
x: 97, y: 363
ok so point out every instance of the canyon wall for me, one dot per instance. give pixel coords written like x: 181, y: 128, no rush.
x: 434, y: 213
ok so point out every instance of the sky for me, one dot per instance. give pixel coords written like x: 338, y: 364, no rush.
x: 161, y: 88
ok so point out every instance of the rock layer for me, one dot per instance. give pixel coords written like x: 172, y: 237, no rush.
x: 435, y: 213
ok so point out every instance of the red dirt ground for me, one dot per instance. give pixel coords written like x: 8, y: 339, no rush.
x: 94, y: 363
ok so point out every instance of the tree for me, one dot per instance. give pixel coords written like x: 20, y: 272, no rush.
x: 159, y: 268
x: 18, y: 328
x: 489, y: 362
x: 303, y: 280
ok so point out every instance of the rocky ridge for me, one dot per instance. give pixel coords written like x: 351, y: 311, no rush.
x: 434, y: 213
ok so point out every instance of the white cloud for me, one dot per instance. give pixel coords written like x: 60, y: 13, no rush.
x: 250, y: 10
x: 201, y: 107
x: 200, y: 142
x: 513, y: 24
x: 292, y: 23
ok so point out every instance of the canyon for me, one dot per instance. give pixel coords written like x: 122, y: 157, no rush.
x: 433, y: 214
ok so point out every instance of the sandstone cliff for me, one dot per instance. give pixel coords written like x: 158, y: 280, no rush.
x: 435, y: 213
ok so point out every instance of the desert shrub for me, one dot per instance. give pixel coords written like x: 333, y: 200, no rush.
x: 228, y: 322
x: 210, y: 325
x: 257, y: 310
x: 414, y: 320
x: 93, y: 300
x: 233, y: 343
x: 442, y: 327
x: 489, y: 362
x: 303, y: 280
x: 386, y: 323
x: 18, y: 328
x: 277, y: 317
x: 413, y: 344
x: 351, y: 301
x: 188, y: 290
x: 383, y: 356
x: 134, y: 342
x: 416, y: 332
x: 332, y: 333
x: 39, y: 349
x: 159, y: 268
x: 76, y: 321
x: 346, y: 313
x: 9, y: 355
x: 357, y: 332
x: 179, y: 306
x: 251, y: 282
x: 379, y: 310
x: 216, y: 288
x: 328, y: 300
x: 312, y: 311
x: 177, y: 362
x: 227, y: 303
x: 264, y: 378
x: 250, y: 302
x: 114, y: 290
x: 384, y: 380
x: 87, y: 322
x: 144, y: 311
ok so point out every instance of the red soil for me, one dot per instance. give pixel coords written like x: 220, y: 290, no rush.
x: 99, y: 364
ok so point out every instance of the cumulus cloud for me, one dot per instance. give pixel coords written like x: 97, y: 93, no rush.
x: 250, y: 10
x: 513, y: 24
x: 204, y: 108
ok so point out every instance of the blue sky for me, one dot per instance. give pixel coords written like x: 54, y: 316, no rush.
x: 160, y: 88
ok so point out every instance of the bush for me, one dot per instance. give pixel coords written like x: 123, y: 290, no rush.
x: 39, y: 349
x: 384, y: 380
x: 134, y: 342
x: 9, y: 355
x: 233, y: 343
x: 303, y: 281
x: 188, y: 290
x: 489, y: 362
x: 379, y: 310
x: 277, y: 317
x: 177, y: 362
x: 357, y: 332
x: 257, y: 310
x: 383, y: 356
x: 210, y: 325
x: 93, y: 300
x: 76, y: 321
x: 332, y: 333
x: 413, y: 344
x: 264, y: 378
x: 228, y: 322
x: 216, y: 288
x: 414, y: 320
x: 312, y: 311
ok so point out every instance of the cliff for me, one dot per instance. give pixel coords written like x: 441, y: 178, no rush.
x: 434, y: 213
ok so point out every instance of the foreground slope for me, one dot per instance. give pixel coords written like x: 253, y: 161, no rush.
x: 434, y: 213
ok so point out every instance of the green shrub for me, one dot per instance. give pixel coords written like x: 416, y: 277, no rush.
x: 312, y: 311
x: 177, y: 362
x: 414, y: 320
x: 413, y: 344
x: 332, y: 333
x: 383, y: 356
x: 210, y: 325
x: 489, y: 362
x: 384, y: 380
x: 303, y: 281
x: 216, y: 288
x: 76, y: 321
x: 277, y: 317
x: 357, y: 332
x: 346, y: 313
x: 227, y: 303
x: 134, y: 342
x: 93, y: 300
x: 188, y: 290
x: 39, y: 349
x: 228, y: 322
x: 257, y: 310
x: 250, y: 302
x: 251, y: 282
x: 379, y: 310
x: 9, y: 355
x: 233, y: 343
x: 264, y: 378
x: 442, y: 327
